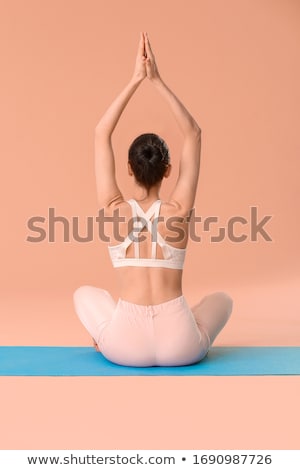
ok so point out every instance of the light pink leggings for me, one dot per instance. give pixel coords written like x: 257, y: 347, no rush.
x: 166, y: 334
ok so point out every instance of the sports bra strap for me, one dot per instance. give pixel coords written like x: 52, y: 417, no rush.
x: 135, y: 219
x: 145, y: 221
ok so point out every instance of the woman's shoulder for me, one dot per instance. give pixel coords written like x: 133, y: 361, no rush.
x: 174, y: 208
x: 118, y: 207
x: 168, y: 208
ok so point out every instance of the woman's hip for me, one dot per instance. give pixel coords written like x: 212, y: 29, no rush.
x: 161, y: 334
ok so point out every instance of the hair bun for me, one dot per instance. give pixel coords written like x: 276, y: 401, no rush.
x: 148, y: 156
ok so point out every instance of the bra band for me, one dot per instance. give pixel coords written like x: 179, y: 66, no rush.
x: 173, y: 257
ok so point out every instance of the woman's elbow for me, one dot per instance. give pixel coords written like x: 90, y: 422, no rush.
x: 197, y: 129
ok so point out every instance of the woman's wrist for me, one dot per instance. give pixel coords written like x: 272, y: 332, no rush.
x: 135, y: 81
x: 157, y: 81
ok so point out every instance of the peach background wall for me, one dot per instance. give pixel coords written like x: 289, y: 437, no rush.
x: 235, y: 65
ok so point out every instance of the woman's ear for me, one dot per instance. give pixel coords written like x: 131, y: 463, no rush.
x: 130, y: 172
x: 168, y: 170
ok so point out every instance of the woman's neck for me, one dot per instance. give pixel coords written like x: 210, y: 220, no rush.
x: 144, y: 195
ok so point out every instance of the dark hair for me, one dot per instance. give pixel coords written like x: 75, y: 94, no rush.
x: 148, y: 156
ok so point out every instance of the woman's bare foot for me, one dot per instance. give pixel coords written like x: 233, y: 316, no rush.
x: 96, y: 345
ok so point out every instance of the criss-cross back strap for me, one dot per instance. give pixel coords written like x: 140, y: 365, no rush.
x: 142, y: 219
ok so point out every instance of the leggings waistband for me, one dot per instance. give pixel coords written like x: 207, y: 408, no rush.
x: 133, y: 307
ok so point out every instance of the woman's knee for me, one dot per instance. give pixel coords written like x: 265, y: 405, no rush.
x: 81, y: 293
x: 87, y: 292
x: 222, y: 299
x: 226, y: 300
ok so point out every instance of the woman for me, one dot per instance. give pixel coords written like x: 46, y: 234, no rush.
x: 151, y: 324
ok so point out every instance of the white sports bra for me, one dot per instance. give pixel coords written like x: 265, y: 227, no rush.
x: 173, y: 257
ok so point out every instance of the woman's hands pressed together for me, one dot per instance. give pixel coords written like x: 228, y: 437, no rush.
x: 151, y: 67
x: 145, y: 65
x: 140, y: 63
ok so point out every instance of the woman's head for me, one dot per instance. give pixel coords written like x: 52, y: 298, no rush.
x: 149, y: 159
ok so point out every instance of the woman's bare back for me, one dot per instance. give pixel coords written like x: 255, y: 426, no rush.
x: 147, y: 285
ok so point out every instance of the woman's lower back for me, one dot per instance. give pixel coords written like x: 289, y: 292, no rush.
x: 149, y: 286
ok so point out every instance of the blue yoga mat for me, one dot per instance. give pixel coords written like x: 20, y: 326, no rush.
x: 85, y: 361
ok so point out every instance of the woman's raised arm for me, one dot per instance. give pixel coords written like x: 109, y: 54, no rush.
x: 183, y: 195
x: 107, y: 188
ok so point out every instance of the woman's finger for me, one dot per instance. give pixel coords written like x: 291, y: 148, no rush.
x: 148, y: 47
x: 141, y: 49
